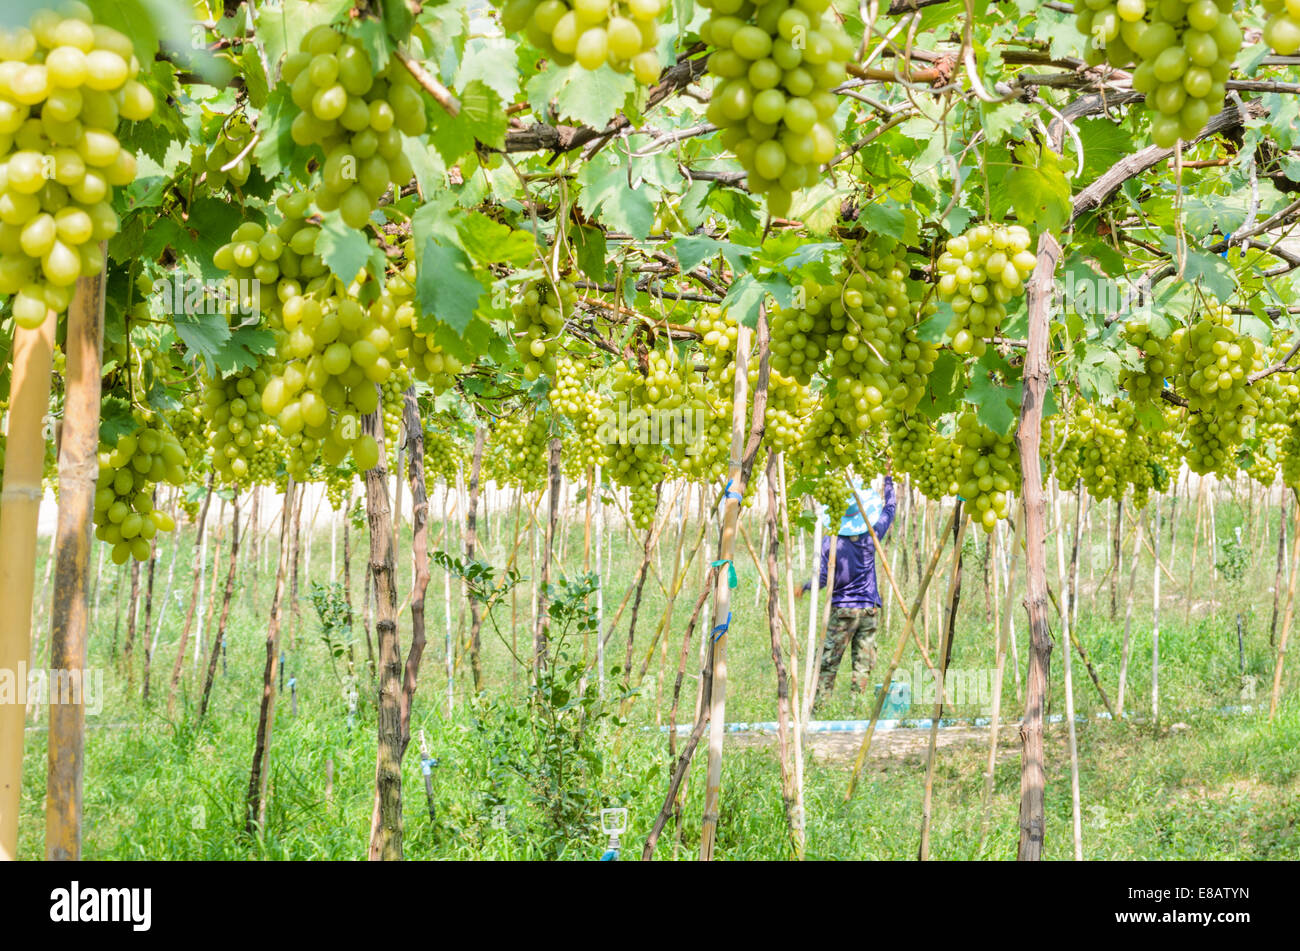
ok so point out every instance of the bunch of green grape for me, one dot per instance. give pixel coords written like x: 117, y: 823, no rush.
x: 187, y: 424
x: 828, y: 488
x: 1213, y: 363
x: 718, y: 332
x: 646, y: 420
x: 444, y: 457
x: 129, y: 470
x: 338, y: 485
x: 575, y: 397
x: 357, y: 115
x: 776, y: 64
x: 1282, y: 31
x: 622, y: 33
x: 392, y: 397
x: 416, y: 350
x: 1183, y: 53
x: 245, y: 444
x: 926, y: 456
x: 335, y: 342
x: 980, y: 272
x: 65, y: 82
x: 539, y: 315
x: 231, y: 146
x: 988, y: 469
x: 790, y: 405
x: 861, y: 327
x: 705, y: 458
x: 1146, y: 384
x: 517, y: 451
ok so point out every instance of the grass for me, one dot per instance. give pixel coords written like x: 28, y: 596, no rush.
x: 1199, y: 785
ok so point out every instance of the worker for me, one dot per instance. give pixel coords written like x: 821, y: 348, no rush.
x: 855, y: 599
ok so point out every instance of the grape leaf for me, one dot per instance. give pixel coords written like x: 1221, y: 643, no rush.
x: 346, y: 251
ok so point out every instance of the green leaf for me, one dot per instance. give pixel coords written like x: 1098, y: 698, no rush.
x: 203, y: 334
x: 605, y: 194
x: 488, y: 241
x: 691, y: 251
x: 996, y: 405
x: 945, y: 386
x: 346, y: 251
x: 482, y: 117
x: 593, y: 97
x: 589, y: 246
x: 1036, y: 189
x: 935, y: 327
x: 887, y: 218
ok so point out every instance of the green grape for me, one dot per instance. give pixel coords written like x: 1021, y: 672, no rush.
x: 979, y: 273
x: 776, y: 64
x: 1282, y: 31
x: 539, y: 319
x: 1212, y: 362
x: 620, y: 33
x: 988, y: 470
x: 129, y: 470
x: 517, y: 451
x: 65, y: 83
x: 357, y: 115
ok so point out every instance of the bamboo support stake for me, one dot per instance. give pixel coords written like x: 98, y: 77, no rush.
x: 722, y: 600
x: 78, y: 473
x: 1287, y: 617
x: 909, y: 627
x: 1196, y: 537
x: 949, y: 625
x: 20, y: 505
x: 1071, y: 581
x: 1155, y: 619
x: 1128, y: 615
x: 1004, y: 632
x: 800, y: 820
x: 810, y: 667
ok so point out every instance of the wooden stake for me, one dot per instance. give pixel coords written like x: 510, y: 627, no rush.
x: 1028, y: 439
x: 1287, y: 617
x: 78, y: 473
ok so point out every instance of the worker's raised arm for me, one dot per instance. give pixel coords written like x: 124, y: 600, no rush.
x: 887, y: 513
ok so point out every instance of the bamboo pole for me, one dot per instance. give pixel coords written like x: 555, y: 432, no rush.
x: 219, y: 636
x: 1128, y: 614
x: 20, y: 505
x: 1066, y: 622
x: 950, y: 623
x: 78, y: 473
x: 196, y: 569
x: 799, y: 814
x: 810, y: 667
x: 909, y: 627
x: 1155, y: 621
x: 1196, y: 538
x: 1003, y: 633
x: 722, y: 597
x: 1287, y: 617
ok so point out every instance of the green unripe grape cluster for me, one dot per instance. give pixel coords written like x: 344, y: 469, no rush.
x: 444, y: 457
x: 357, y: 115
x: 231, y: 146
x: 928, y: 458
x: 591, y: 33
x: 980, y: 272
x: 517, y: 451
x: 859, y: 329
x: 1146, y: 384
x: 988, y: 470
x: 1213, y: 363
x: 1282, y: 31
x: 65, y: 83
x: 125, y: 517
x: 776, y: 64
x: 1183, y: 53
x: 245, y: 444
x: 392, y: 397
x: 574, y: 397
x: 539, y: 315
x: 790, y: 406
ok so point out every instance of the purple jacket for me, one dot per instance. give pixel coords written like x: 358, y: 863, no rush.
x: 855, y: 561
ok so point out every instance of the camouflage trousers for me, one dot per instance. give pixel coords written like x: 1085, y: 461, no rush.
x: 855, y: 626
